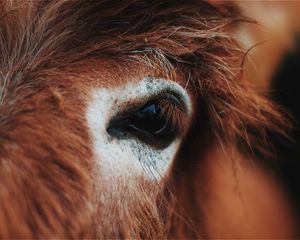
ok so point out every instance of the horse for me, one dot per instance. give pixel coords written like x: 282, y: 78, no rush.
x: 131, y: 119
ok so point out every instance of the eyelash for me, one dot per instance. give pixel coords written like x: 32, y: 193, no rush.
x: 174, y: 114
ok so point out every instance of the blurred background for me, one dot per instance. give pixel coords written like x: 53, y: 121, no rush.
x: 273, y: 66
x: 285, y: 91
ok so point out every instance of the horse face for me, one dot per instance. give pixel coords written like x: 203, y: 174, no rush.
x: 107, y: 110
x: 137, y: 121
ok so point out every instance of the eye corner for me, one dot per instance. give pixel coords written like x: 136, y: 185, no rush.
x: 176, y: 99
x: 164, y: 86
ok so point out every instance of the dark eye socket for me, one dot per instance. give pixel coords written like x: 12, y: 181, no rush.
x: 150, y: 123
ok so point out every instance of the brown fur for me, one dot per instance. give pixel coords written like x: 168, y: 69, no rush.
x: 46, y: 186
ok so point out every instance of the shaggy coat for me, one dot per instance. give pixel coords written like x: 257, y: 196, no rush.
x: 46, y: 184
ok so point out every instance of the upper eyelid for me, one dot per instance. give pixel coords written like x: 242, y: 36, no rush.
x: 173, y: 98
x: 164, y: 94
x: 135, y: 95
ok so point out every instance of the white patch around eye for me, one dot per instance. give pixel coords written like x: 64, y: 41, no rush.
x: 128, y: 157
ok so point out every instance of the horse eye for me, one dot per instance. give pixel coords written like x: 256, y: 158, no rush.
x: 151, y: 124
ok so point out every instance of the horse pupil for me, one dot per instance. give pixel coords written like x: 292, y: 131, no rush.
x: 149, y: 119
x: 149, y: 110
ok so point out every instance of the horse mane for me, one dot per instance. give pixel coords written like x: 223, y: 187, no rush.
x: 187, y: 39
